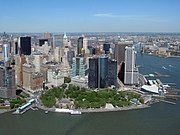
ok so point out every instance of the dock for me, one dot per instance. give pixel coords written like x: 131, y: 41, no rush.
x: 157, y: 74
x: 172, y: 96
x: 169, y: 102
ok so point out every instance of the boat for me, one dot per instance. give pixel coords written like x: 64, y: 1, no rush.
x: 163, y: 67
x: 75, y: 112
x: 46, y: 112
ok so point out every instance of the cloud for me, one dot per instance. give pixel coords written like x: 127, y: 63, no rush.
x: 104, y: 15
x: 132, y: 17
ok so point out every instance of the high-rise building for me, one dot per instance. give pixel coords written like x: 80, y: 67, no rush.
x: 70, y: 55
x: 7, y: 82
x: 112, y: 72
x: 79, y: 45
x: 38, y: 59
x: 6, y: 52
x: 120, y: 51
x: 42, y: 41
x: 32, y: 80
x: 93, y: 73
x: 47, y: 35
x: 25, y: 45
x: 102, y: 72
x: 131, y: 75
x: 16, y: 48
x: 57, y: 40
x: 85, y: 45
x: 79, y: 67
x: 106, y: 48
x: 19, y: 61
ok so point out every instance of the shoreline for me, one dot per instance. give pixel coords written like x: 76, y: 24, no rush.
x: 99, y: 110
x: 114, y: 109
x: 6, y: 110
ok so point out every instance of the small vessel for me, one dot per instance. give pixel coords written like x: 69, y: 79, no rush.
x: 170, y: 66
x: 163, y: 67
x: 46, y: 112
x: 75, y: 112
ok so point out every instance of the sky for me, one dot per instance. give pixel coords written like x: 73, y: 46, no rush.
x: 90, y: 15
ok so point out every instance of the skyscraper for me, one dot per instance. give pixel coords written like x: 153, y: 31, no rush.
x: 47, y: 35
x: 106, y: 47
x: 93, y: 73
x: 57, y: 40
x: 102, y: 72
x: 42, y: 41
x: 79, y: 45
x: 79, y: 67
x: 120, y: 51
x: 112, y: 72
x: 25, y: 45
x: 131, y: 71
x: 7, y: 82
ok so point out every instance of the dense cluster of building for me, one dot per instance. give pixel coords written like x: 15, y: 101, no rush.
x: 34, y: 62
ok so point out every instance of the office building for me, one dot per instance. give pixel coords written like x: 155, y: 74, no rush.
x: 7, y: 82
x: 32, y: 80
x: 42, y: 41
x: 55, y: 77
x: 79, y: 46
x: 131, y: 75
x: 38, y: 59
x: 93, y: 73
x: 79, y: 67
x: 112, y: 72
x: 47, y: 35
x: 25, y: 45
x: 57, y: 40
x: 102, y: 72
x: 106, y: 48
x: 120, y: 51
x: 19, y: 61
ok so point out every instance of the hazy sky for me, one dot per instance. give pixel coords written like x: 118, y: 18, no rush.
x: 90, y: 15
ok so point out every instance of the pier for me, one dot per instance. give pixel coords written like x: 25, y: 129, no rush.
x: 157, y: 74
x: 169, y: 102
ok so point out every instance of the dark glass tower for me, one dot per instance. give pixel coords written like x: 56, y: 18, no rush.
x: 25, y: 45
x: 106, y: 48
x: 93, y: 73
x: 112, y: 72
x: 79, y: 45
x: 42, y: 41
x: 103, y: 72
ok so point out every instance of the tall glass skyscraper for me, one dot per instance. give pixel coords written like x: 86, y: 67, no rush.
x: 106, y: 48
x: 102, y: 72
x: 79, y: 67
x: 57, y: 40
x: 93, y: 73
x: 7, y: 82
x: 25, y: 45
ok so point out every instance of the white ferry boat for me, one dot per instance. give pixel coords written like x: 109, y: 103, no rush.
x: 75, y: 112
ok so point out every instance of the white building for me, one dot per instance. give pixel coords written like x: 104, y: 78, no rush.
x: 38, y: 59
x: 55, y: 77
x: 80, y: 81
x: 131, y: 75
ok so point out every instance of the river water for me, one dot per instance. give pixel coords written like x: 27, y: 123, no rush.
x: 159, y: 119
